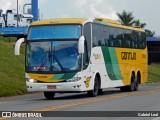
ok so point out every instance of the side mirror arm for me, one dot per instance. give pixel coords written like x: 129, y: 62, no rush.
x: 18, y: 45
x: 81, y: 44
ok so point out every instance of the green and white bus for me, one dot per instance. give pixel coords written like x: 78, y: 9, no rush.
x: 83, y: 55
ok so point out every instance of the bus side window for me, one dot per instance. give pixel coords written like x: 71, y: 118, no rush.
x: 128, y: 39
x: 85, y: 57
x: 110, y: 40
x: 99, y: 43
x: 143, y: 40
x: 119, y: 43
x: 106, y: 42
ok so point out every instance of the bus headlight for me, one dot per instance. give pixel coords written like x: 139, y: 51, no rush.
x: 75, y: 79
x: 31, y: 80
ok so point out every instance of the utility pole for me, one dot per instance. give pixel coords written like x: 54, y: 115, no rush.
x: 17, y: 14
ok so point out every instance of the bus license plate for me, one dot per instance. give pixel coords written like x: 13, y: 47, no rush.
x: 51, y: 87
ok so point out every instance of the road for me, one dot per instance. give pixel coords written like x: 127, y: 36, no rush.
x: 146, y: 99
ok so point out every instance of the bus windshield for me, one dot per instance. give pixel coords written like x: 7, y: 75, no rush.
x: 54, y: 32
x: 53, y: 48
x: 52, y: 56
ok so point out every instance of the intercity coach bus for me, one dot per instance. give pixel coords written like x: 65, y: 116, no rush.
x: 84, y: 55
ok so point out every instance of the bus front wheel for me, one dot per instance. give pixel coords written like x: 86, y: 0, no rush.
x: 94, y: 92
x: 49, y: 95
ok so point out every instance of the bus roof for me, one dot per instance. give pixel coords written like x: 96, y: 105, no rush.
x: 116, y: 23
x: 109, y: 22
x: 60, y: 21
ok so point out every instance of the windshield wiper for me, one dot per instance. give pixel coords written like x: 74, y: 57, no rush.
x: 45, y: 61
x: 60, y: 65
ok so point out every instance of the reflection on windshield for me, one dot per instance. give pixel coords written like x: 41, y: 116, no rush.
x: 54, y: 56
x: 54, y: 32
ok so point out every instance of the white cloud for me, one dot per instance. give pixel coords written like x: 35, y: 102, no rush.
x: 93, y: 8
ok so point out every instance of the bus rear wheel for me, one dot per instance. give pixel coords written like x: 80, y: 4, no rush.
x: 49, y: 95
x: 94, y: 92
x: 136, y: 86
x: 131, y: 87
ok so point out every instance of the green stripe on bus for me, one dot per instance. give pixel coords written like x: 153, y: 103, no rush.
x: 108, y: 63
x: 57, y: 76
x: 115, y: 64
x: 111, y: 63
x: 68, y: 75
x: 63, y: 76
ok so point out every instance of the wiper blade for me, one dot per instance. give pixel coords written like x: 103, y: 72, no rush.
x: 60, y: 65
x: 45, y: 61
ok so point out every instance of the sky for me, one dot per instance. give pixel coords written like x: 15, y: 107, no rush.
x: 145, y: 10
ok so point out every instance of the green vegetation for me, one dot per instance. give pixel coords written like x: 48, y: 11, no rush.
x: 12, y: 79
x: 154, y: 73
x: 127, y: 18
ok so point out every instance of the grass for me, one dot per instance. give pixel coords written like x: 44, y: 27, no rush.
x: 12, y: 78
x: 154, y: 73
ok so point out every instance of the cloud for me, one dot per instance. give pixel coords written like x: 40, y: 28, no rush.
x: 5, y: 4
x: 93, y: 8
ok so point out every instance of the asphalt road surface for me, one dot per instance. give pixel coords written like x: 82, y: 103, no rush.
x: 146, y: 99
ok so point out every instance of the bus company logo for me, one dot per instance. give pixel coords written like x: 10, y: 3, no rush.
x: 128, y: 56
x: 97, y: 56
x: 88, y: 81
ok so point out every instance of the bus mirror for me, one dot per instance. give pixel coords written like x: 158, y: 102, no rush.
x: 81, y: 44
x: 18, y: 45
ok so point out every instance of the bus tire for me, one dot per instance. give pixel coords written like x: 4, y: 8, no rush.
x: 123, y: 89
x: 49, y: 95
x: 132, y: 84
x: 94, y: 92
x: 136, y: 86
x: 100, y: 91
x: 131, y: 87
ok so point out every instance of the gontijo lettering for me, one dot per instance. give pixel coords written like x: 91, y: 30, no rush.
x: 128, y: 56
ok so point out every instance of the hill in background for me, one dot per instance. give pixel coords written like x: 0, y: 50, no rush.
x: 12, y: 78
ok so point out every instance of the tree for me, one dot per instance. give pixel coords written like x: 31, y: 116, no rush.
x: 139, y: 24
x: 126, y: 18
x: 149, y: 33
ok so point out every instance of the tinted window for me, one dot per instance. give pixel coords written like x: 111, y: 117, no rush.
x: 128, y: 39
x: 117, y: 37
x: 96, y: 39
x: 100, y: 35
x: 87, y: 35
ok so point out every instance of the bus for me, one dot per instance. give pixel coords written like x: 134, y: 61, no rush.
x: 83, y: 55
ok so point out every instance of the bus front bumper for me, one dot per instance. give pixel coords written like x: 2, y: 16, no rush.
x: 56, y: 87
